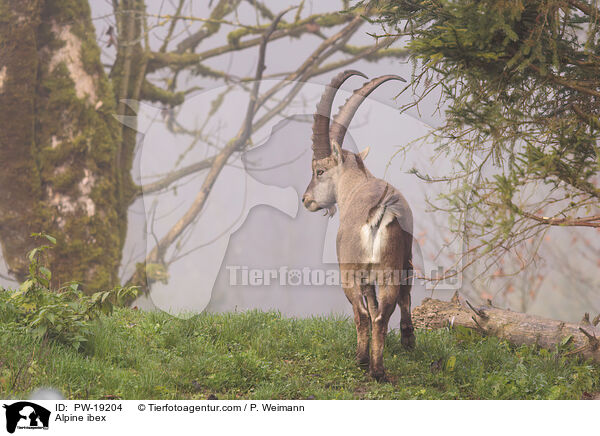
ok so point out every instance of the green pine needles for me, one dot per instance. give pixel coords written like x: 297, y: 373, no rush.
x: 519, y: 83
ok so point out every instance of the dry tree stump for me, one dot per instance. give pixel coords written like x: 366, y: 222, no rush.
x: 514, y: 327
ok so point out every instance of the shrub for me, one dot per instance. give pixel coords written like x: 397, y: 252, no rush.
x: 63, y: 314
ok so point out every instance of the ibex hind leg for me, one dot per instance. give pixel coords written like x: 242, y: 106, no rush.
x: 388, y: 296
x: 363, y: 323
x: 370, y: 297
x: 407, y: 337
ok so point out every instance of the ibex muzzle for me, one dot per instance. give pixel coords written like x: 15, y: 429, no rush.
x: 374, y: 241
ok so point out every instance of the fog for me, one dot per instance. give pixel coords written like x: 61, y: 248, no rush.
x: 254, y: 221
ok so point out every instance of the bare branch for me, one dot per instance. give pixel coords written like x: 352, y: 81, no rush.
x: 172, y: 26
x: 364, y: 53
x: 309, y: 68
x: 328, y: 44
x: 157, y: 253
x: 172, y: 177
x: 586, y: 9
x: 178, y: 60
x: 590, y: 221
x: 221, y: 10
x: 152, y: 92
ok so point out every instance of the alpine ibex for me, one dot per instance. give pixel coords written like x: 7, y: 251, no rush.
x: 374, y: 241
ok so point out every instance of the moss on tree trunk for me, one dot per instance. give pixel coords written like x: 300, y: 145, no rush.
x: 59, y: 143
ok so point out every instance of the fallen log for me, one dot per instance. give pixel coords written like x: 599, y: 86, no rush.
x: 514, y: 327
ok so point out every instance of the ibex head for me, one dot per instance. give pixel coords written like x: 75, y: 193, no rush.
x: 330, y: 162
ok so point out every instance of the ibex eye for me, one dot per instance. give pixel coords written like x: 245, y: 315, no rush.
x: 320, y: 172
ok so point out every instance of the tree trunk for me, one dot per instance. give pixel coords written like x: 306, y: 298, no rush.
x: 59, y: 143
x: 514, y: 327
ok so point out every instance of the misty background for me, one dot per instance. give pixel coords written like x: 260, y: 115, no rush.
x: 253, y: 216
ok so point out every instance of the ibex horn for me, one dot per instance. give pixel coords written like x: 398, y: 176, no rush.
x: 320, y: 138
x: 346, y: 112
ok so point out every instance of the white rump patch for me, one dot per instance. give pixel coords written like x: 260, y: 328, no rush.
x: 374, y: 236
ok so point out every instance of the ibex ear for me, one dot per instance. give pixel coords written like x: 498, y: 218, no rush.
x: 363, y: 154
x: 336, y: 151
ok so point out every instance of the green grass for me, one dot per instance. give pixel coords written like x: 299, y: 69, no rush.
x: 151, y: 355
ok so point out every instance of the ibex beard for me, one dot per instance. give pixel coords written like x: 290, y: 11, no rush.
x: 375, y: 230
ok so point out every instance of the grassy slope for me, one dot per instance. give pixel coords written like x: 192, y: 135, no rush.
x: 137, y: 355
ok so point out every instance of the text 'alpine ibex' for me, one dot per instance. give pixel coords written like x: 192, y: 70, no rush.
x: 374, y: 241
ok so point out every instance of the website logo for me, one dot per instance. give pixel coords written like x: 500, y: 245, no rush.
x: 26, y: 415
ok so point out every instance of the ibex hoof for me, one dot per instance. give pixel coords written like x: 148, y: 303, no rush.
x: 408, y: 341
x: 363, y: 361
x: 378, y: 375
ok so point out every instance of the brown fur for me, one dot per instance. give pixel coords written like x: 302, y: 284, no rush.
x: 360, y: 164
x: 361, y: 196
x: 375, y: 233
